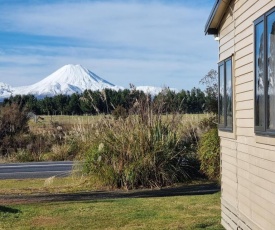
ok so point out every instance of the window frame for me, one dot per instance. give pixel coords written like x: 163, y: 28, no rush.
x: 259, y: 130
x: 224, y: 126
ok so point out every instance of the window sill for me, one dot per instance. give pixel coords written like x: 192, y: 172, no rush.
x: 267, y: 140
x: 227, y: 134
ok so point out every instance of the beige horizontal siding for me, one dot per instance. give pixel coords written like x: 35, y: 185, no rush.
x: 265, y: 206
x: 263, y: 6
x: 244, y: 222
x: 229, y: 152
x: 248, y: 77
x: 248, y: 167
x: 230, y: 218
x: 244, y: 203
x: 249, y: 132
x: 227, y: 35
x: 243, y: 61
x: 229, y: 174
x: 229, y: 167
x: 249, y: 113
x: 242, y: 105
x: 244, y: 188
x: 248, y: 49
x: 227, y: 46
x: 227, y: 27
x: 245, y: 87
x: 264, y: 218
x: 264, y: 152
x: 243, y: 35
x: 244, y: 69
x: 255, y: 193
x: 245, y: 123
x: 245, y: 96
x: 229, y: 194
x: 226, y: 54
x: 261, y: 162
x: 229, y: 158
x: 232, y: 183
x: 227, y: 223
x: 251, y: 194
x: 247, y: 39
x: 239, y: 5
x: 244, y: 13
x: 226, y: 21
x: 249, y: 12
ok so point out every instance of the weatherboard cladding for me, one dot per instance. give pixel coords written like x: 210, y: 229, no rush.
x: 247, y: 160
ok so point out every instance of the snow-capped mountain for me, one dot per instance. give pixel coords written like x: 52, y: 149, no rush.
x: 153, y: 90
x: 67, y: 80
x: 149, y: 89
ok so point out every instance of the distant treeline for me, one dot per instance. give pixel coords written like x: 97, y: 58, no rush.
x: 106, y: 101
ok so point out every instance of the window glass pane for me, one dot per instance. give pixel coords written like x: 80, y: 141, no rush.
x: 259, y: 72
x: 271, y: 70
x: 228, y: 96
x: 221, y: 94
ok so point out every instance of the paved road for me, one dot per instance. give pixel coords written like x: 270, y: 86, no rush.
x: 35, y: 170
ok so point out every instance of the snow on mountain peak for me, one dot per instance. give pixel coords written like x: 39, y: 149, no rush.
x: 68, y: 79
x: 153, y: 90
x: 78, y: 76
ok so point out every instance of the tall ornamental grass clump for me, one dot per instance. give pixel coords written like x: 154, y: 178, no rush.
x: 142, y: 150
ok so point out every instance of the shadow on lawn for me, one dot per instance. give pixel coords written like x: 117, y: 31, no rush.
x: 184, y: 190
x: 9, y: 210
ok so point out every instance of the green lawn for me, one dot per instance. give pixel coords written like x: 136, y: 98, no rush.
x: 50, y: 185
x: 178, y: 212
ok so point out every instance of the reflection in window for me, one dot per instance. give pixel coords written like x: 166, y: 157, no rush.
x: 225, y: 95
x: 259, y: 71
x: 229, y: 94
x: 221, y: 94
x: 271, y: 69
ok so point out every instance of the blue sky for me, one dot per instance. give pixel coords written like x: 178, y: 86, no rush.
x: 143, y: 42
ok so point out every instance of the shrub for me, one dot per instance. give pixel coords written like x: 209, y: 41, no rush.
x: 208, y: 123
x: 130, y: 156
x: 209, y: 154
x: 13, y: 126
x: 119, y: 112
x: 60, y: 152
x: 142, y: 150
x: 24, y: 156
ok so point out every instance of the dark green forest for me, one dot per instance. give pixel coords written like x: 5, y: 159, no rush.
x: 106, y: 101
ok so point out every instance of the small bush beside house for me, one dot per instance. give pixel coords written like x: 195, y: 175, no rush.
x: 209, y: 154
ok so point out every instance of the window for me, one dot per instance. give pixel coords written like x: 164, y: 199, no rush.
x: 225, y: 95
x: 264, y: 53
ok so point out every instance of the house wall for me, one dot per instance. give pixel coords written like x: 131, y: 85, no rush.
x: 247, y: 160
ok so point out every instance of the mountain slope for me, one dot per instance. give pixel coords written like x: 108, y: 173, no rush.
x: 67, y: 80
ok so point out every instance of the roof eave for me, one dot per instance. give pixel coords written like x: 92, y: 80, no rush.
x: 216, y: 16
